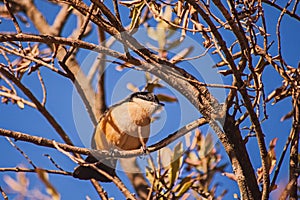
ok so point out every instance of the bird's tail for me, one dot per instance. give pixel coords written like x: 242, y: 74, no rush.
x: 86, y: 173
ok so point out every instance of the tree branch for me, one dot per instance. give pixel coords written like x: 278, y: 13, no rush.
x: 275, y: 5
x: 22, y: 169
x: 38, y: 105
x: 104, y: 153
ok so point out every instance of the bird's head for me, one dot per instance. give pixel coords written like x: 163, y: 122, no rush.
x: 147, y: 100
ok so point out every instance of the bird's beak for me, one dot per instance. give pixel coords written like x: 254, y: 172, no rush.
x: 161, y: 104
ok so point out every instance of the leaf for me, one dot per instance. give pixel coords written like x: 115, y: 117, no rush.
x: 166, y: 98
x: 182, y: 54
x: 155, y: 182
x: 165, y: 157
x: 184, y: 186
x: 49, y: 187
x: 230, y: 176
x: 173, y: 44
x: 151, y: 86
x: 273, y: 187
x: 155, y: 8
x: 167, y: 15
x: 135, y: 13
x: 225, y: 72
x: 20, y: 104
x: 271, y: 160
x: 187, y: 138
x: 176, y: 163
x: 185, y: 21
x: 19, y: 185
x: 148, y: 77
x: 272, y: 155
x: 287, y: 116
x: 151, y: 32
x: 132, y: 87
x: 275, y: 93
x: 193, y: 159
x: 161, y: 34
x: 209, y: 144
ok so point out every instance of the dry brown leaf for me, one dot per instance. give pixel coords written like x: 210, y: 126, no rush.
x: 49, y: 187
x: 229, y: 175
x: 166, y: 98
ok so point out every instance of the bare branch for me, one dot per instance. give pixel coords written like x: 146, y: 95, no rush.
x: 22, y: 152
x: 17, y: 98
x: 17, y: 26
x: 38, y: 105
x: 21, y: 169
x: 104, y: 153
x: 61, y: 19
x: 275, y: 5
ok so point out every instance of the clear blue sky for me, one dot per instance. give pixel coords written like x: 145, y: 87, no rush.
x: 64, y: 106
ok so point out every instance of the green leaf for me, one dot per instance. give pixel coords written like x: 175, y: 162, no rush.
x: 155, y: 9
x: 184, y: 185
x: 135, y: 13
x: 136, y: 7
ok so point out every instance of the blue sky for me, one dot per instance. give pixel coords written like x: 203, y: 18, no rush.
x: 63, y: 104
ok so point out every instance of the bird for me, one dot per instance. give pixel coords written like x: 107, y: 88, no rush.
x: 124, y: 126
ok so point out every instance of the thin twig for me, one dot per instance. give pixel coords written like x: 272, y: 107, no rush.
x: 38, y: 61
x: 17, y: 26
x: 38, y: 105
x: 115, y: 179
x: 21, y: 169
x: 282, y: 155
x: 196, y: 57
x: 22, y: 152
x: 295, y: 6
x: 81, y: 31
x: 172, y: 24
x: 278, y: 31
x: 116, y: 9
x: 53, y: 162
x: 275, y: 5
x: 43, y: 87
x: 6, y: 58
x: 101, y: 192
x: 3, y: 194
x: 17, y: 98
